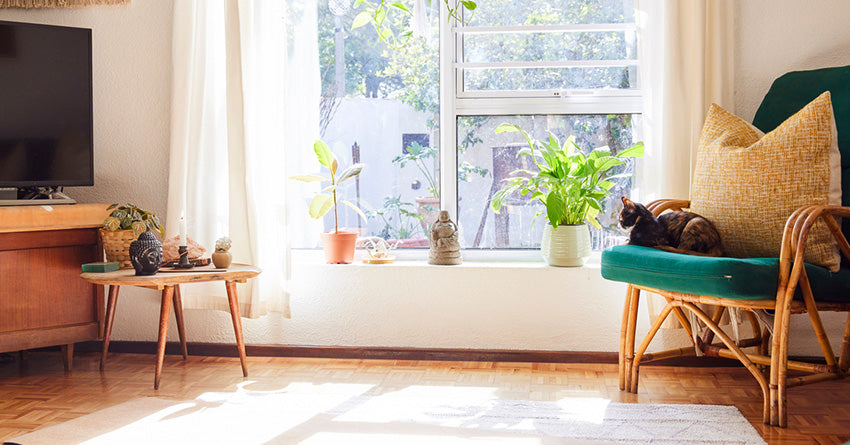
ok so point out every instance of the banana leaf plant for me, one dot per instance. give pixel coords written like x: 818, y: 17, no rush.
x: 570, y: 184
x: 327, y: 198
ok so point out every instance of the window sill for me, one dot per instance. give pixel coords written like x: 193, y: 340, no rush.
x: 410, y: 258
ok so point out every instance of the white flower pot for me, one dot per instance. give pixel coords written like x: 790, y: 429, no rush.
x: 568, y: 245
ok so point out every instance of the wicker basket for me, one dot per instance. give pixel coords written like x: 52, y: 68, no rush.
x: 116, y: 244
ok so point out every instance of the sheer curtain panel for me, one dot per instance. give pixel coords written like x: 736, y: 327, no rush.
x: 229, y: 140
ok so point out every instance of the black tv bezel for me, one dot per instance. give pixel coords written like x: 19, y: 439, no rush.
x: 64, y: 183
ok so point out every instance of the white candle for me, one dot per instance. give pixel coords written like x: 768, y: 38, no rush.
x: 182, y: 227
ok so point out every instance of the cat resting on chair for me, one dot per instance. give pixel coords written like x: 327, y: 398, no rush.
x: 681, y: 232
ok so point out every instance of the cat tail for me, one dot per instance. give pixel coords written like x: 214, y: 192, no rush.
x: 713, y: 253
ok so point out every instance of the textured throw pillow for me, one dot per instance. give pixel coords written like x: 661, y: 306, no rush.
x: 748, y: 183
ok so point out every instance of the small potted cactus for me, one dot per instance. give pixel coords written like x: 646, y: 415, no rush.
x: 222, y: 257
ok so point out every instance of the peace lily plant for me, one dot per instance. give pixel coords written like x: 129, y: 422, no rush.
x: 569, y: 183
x: 339, y: 245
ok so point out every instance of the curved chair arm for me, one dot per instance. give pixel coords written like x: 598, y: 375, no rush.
x: 660, y: 205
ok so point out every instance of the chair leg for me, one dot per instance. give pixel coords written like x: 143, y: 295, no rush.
x: 844, y: 360
x: 779, y: 366
x: 645, y: 344
x: 631, y: 326
x: 624, y: 327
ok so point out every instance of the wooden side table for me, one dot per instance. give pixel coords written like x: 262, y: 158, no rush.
x: 169, y: 283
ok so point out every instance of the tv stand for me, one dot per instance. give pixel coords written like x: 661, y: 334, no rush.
x: 38, y: 196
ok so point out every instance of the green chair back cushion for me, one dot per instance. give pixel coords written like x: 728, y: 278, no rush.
x: 738, y: 278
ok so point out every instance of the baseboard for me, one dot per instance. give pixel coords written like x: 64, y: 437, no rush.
x: 388, y: 353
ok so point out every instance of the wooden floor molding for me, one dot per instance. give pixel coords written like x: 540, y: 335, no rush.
x: 387, y: 353
x: 35, y: 391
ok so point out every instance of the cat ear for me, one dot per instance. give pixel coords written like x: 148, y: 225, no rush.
x: 628, y: 202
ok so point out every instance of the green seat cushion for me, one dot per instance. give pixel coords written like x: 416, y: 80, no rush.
x: 739, y: 278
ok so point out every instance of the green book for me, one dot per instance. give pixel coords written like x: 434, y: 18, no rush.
x: 100, y: 267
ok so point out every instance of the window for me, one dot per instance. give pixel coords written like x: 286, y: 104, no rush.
x: 422, y: 117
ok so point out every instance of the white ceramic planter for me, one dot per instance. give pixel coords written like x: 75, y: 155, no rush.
x: 566, y: 246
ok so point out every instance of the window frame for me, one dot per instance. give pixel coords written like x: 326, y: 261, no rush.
x: 456, y: 103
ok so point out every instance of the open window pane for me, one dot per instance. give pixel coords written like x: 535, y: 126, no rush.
x: 516, y: 226
x: 527, y: 79
x: 559, y: 12
x: 379, y: 106
x: 548, y: 46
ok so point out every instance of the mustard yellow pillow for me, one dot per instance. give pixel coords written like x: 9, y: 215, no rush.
x: 748, y: 183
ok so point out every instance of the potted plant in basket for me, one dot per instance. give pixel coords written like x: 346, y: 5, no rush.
x: 122, y: 226
x: 338, y: 245
x: 571, y: 185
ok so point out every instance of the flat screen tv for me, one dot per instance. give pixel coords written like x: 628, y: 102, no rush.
x: 46, y: 136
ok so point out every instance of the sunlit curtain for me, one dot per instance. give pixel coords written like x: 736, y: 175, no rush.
x: 687, y: 61
x: 230, y: 136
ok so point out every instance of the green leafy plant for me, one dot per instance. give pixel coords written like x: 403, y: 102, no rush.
x: 130, y: 217
x: 569, y: 183
x: 401, y: 220
x: 327, y: 198
x: 382, y: 13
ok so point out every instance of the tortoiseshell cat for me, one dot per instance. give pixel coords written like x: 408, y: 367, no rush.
x: 681, y: 232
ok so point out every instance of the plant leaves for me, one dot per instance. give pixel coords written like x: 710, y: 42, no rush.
x: 323, y: 153
x: 357, y: 3
x: 469, y: 4
x: 401, y: 6
x: 507, y: 128
x: 308, y: 178
x: 350, y: 172
x: 555, y: 208
x: 635, y: 151
x: 355, y: 208
x: 334, y: 166
x: 361, y: 19
x: 320, y: 205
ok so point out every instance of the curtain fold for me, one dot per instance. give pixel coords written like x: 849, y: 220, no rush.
x: 687, y: 62
x: 229, y: 141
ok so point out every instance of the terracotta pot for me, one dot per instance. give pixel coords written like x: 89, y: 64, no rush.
x: 339, y: 247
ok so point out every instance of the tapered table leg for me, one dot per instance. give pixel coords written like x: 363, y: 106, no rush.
x: 178, y: 314
x: 111, y: 302
x: 164, y: 313
x: 237, y: 323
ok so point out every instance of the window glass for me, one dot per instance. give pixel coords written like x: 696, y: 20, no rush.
x: 380, y: 106
x: 518, y: 225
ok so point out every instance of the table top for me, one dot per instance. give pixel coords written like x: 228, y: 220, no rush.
x: 170, y: 276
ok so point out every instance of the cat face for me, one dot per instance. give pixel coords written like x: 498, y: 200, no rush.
x: 630, y: 213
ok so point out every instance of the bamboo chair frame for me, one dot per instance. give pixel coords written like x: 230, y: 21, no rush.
x: 769, y: 366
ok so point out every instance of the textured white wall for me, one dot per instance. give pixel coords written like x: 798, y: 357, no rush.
x: 470, y: 306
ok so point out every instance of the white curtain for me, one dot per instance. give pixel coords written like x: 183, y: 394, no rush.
x: 687, y: 61
x: 230, y: 135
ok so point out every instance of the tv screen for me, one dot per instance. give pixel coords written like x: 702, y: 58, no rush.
x: 45, y: 106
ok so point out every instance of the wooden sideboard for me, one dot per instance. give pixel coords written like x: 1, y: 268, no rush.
x: 43, y: 300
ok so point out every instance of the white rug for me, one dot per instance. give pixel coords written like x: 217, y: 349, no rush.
x: 339, y: 413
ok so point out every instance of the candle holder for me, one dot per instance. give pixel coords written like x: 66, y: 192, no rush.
x: 184, y: 263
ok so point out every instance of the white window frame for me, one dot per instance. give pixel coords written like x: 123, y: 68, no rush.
x: 455, y: 102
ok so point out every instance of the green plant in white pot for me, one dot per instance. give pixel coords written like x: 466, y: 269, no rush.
x: 338, y: 245
x: 571, y: 185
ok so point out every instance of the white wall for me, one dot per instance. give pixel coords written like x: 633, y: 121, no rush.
x: 520, y: 306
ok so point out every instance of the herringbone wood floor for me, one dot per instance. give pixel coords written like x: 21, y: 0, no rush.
x: 36, y: 392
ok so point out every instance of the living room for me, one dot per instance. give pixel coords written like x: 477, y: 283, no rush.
x: 502, y: 312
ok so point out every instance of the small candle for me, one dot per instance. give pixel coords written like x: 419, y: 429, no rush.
x: 182, y: 227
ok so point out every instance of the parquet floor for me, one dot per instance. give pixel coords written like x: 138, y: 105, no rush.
x: 36, y: 392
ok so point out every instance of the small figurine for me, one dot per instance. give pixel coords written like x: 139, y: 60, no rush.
x: 378, y: 250
x: 146, y: 254
x: 445, y: 247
